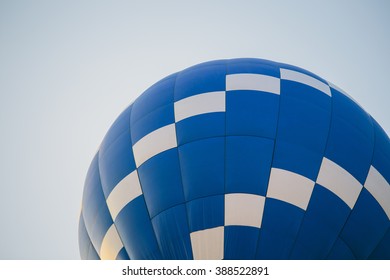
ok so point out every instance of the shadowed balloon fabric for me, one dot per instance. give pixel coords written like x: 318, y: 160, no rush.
x: 239, y: 159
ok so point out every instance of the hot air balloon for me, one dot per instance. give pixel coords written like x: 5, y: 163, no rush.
x: 239, y: 159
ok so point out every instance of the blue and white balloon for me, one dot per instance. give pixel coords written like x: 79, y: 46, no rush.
x: 239, y: 159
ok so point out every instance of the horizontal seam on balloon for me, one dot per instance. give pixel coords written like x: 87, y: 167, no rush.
x: 220, y: 194
x: 201, y: 139
x: 201, y: 114
x: 224, y: 136
x: 200, y: 93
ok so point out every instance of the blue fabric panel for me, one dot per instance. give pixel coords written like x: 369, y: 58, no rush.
x: 116, y: 159
x: 84, y: 241
x: 251, y: 113
x: 173, y: 236
x: 97, y: 219
x: 156, y: 119
x: 381, y: 156
x: 120, y: 125
x: 203, y: 167
x: 248, y: 164
x: 158, y: 95
x: 161, y: 181
x: 206, y: 212
x: 365, y: 228
x: 321, y: 225
x: 351, y: 137
x: 200, y: 127
x: 136, y: 232
x: 240, y: 242
x: 94, y: 209
x: 122, y: 255
x: 93, y: 195
x: 280, y: 225
x: 302, y: 129
x: 205, y: 77
x: 254, y: 66
x: 341, y: 251
x: 92, y: 254
x: 382, y: 251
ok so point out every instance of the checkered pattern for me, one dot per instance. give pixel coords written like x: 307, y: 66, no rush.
x: 239, y: 159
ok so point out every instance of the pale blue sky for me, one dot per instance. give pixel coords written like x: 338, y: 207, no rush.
x: 68, y: 68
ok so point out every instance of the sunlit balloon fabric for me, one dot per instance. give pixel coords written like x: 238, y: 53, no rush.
x: 239, y: 159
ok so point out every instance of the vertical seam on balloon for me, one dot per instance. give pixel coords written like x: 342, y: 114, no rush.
x: 105, y: 204
x: 272, y: 160
x: 95, y: 251
x: 119, y: 235
x: 326, y: 146
x: 89, y: 235
x: 225, y: 160
x: 96, y: 215
x: 346, y: 220
x: 89, y: 240
x: 150, y: 219
x: 304, y: 211
x: 94, y: 222
x: 323, y: 154
x: 349, y: 215
x: 372, y: 159
x: 181, y: 175
x: 345, y: 243
x: 92, y: 247
x: 105, y: 200
x: 131, y: 146
x: 377, y: 245
x: 140, y: 183
x: 120, y: 238
x: 113, y: 221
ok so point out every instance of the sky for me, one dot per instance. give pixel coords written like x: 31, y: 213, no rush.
x: 69, y: 68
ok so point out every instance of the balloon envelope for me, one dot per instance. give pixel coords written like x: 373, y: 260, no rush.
x: 239, y: 159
